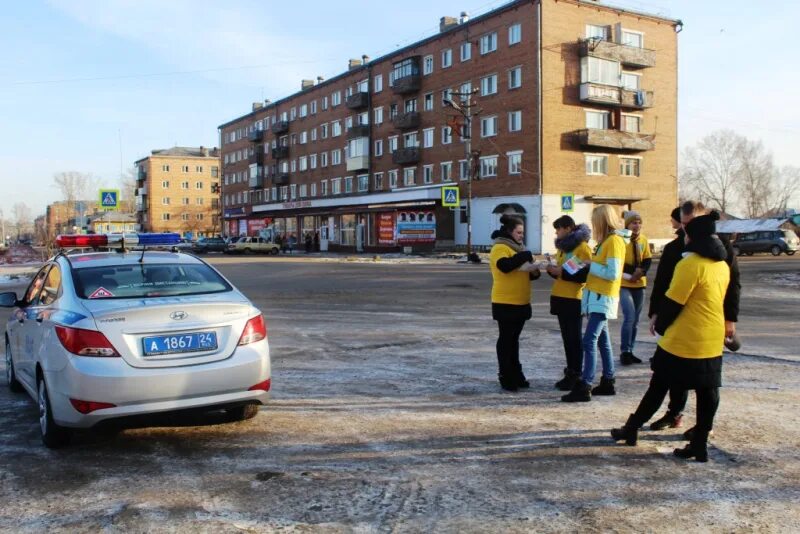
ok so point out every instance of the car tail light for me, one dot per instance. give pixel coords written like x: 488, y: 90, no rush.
x: 90, y: 406
x: 254, y: 330
x: 265, y: 385
x: 85, y: 342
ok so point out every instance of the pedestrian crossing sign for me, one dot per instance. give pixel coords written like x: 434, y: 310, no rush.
x: 567, y: 203
x: 109, y: 199
x: 450, y: 196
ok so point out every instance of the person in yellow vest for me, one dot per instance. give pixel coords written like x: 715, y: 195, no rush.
x: 565, y: 298
x: 512, y: 271
x: 599, y: 303
x: 634, y: 281
x: 691, y: 323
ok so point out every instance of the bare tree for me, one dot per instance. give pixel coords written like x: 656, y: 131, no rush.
x: 127, y: 189
x: 757, y: 179
x: 76, y: 185
x: 22, y: 218
x: 711, y: 170
x: 786, y: 186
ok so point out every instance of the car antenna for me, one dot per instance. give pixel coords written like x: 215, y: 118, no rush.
x: 141, y: 258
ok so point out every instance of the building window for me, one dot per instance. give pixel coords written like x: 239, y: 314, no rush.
x: 466, y: 51
x: 336, y: 128
x: 446, y: 169
x: 488, y: 43
x: 631, y: 123
x: 324, y: 130
x: 303, y: 137
x: 514, y: 121
x: 165, y: 216
x: 596, y: 70
x: 348, y: 123
x: 323, y: 188
x: 324, y: 103
x: 336, y: 98
x: 379, y: 147
x: 198, y: 168
x: 293, y: 191
x: 165, y: 201
x: 629, y: 166
x: 293, y: 113
x: 392, y: 179
x: 379, y: 115
x: 377, y: 83
x: 313, y: 189
x: 184, y: 216
x: 378, y: 181
x: 199, y: 216
x: 597, y: 120
x: 303, y: 163
x: 363, y: 183
x: 427, y: 65
x: 489, y: 85
x: 632, y: 38
x: 489, y: 126
x: 336, y: 186
x: 427, y: 138
x: 336, y: 157
x: 393, y: 144
x: 410, y: 140
x: 629, y: 81
x: 428, y: 102
x: 199, y: 201
x: 514, y: 162
x: 198, y: 185
x: 409, y: 176
x: 463, y: 169
x: 313, y: 107
x: 600, y: 33
x: 185, y: 201
x: 447, y: 58
x: 304, y: 110
x: 323, y: 159
x: 312, y: 161
x: 596, y: 164
x: 215, y: 172
x: 165, y: 168
x: 515, y: 78
x: 514, y: 34
x: 447, y: 135
x: 165, y: 184
x: 427, y: 174
x: 313, y: 134
x: 488, y: 166
x: 303, y: 190
x: 184, y: 185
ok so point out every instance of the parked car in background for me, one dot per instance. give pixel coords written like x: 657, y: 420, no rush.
x: 772, y: 241
x: 253, y: 245
x: 209, y: 244
x: 184, y: 245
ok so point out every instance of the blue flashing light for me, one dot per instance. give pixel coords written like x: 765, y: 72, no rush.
x: 158, y: 239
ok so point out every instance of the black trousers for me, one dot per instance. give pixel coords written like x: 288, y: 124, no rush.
x: 570, y: 325
x: 508, y: 350
x: 707, y: 403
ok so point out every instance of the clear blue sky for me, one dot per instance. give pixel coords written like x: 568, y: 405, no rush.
x: 93, y: 85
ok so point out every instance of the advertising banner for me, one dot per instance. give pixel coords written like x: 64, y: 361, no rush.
x: 386, y: 228
x: 416, y: 227
x: 254, y: 226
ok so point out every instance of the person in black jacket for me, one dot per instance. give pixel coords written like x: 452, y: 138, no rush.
x: 672, y: 254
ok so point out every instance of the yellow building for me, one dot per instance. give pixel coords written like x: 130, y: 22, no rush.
x: 177, y: 190
x: 112, y: 222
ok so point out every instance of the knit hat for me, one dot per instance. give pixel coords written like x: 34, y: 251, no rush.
x: 631, y: 216
x: 676, y: 215
x: 702, y: 227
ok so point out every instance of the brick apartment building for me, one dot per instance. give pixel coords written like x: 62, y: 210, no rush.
x: 177, y: 190
x: 67, y: 217
x: 577, y: 105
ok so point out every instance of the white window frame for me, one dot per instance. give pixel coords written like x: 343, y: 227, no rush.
x: 378, y: 147
x: 378, y: 181
x: 630, y: 76
x: 514, y: 162
x: 488, y: 43
x: 377, y: 83
x: 591, y: 159
x: 447, y: 58
x: 427, y: 65
x: 447, y: 135
x: 638, y: 161
x: 625, y: 32
x: 466, y: 51
x: 489, y: 85
x: 591, y: 31
x: 623, y: 122
x: 515, y: 119
x: 378, y: 112
x: 593, y: 115
x: 487, y: 164
x: 363, y: 182
x: 512, y: 78
x: 409, y: 176
x: 427, y: 137
x: 447, y: 175
x: 393, y: 179
x: 514, y: 34
x: 489, y: 126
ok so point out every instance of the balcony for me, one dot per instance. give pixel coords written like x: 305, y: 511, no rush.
x: 280, y: 152
x: 359, y: 130
x: 142, y: 174
x: 257, y: 182
x: 141, y: 191
x: 597, y: 93
x: 406, y: 121
x: 357, y: 163
x: 630, y: 56
x: 256, y: 136
x: 358, y: 100
x: 614, y: 139
x: 410, y: 83
x: 257, y: 156
x: 281, y: 178
x: 405, y: 155
x: 279, y: 127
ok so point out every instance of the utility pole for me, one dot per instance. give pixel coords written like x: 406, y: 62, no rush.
x: 465, y: 109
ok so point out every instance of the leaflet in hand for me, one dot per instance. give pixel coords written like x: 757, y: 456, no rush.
x: 573, y: 265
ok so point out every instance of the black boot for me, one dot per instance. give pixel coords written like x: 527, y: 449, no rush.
x: 627, y: 358
x: 606, y: 387
x: 669, y: 420
x: 569, y: 380
x: 689, y: 434
x: 581, y: 392
x: 522, y: 382
x: 507, y: 384
x: 697, y: 448
x: 629, y: 433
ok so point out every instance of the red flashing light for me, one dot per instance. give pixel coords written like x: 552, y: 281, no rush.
x: 265, y: 385
x: 85, y: 407
x: 90, y: 240
x: 254, y: 330
x: 85, y: 342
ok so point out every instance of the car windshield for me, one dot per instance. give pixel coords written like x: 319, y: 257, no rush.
x: 154, y: 280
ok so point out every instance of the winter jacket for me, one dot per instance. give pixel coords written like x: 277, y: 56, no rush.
x: 601, y: 294
x: 645, y: 258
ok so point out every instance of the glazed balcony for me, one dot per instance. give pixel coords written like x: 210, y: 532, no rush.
x: 357, y: 163
x: 257, y: 182
x: 358, y: 100
x: 279, y: 127
x: 256, y: 136
x: 630, y: 56
x: 597, y: 93
x: 405, y: 156
x: 406, y: 121
x: 280, y: 152
x: 591, y: 137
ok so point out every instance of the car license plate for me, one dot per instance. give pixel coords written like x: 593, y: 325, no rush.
x: 193, y: 342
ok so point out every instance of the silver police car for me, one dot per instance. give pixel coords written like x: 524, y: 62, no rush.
x: 107, y: 335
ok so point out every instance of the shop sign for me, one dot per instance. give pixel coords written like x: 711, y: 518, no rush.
x: 298, y: 204
x: 242, y: 227
x: 254, y: 226
x: 386, y: 229
x: 416, y: 227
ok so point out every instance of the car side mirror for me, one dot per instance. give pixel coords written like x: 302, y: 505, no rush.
x: 8, y: 299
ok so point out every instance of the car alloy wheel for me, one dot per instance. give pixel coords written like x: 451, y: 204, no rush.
x: 776, y: 250
x: 11, y: 376
x: 53, y: 435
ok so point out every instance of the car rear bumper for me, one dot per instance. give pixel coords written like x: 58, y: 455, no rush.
x: 136, y: 391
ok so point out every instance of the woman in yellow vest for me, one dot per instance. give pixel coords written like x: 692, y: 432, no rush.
x: 599, y: 303
x: 631, y: 297
x: 512, y: 271
x: 691, y: 323
x: 565, y: 298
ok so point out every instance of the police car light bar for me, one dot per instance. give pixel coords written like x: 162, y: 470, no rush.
x: 112, y: 240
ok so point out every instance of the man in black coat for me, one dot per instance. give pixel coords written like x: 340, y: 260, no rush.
x: 672, y: 254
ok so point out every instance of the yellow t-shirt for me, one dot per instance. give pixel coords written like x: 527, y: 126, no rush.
x: 564, y: 288
x: 644, y: 253
x: 699, y: 284
x: 508, y: 288
x: 612, y: 248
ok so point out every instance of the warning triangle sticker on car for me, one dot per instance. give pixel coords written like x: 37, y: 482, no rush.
x: 100, y: 293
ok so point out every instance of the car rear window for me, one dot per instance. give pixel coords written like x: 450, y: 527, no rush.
x: 143, y: 281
